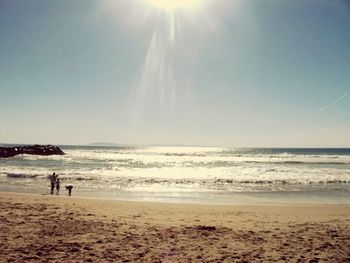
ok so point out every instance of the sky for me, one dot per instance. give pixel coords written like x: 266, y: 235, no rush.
x: 235, y: 73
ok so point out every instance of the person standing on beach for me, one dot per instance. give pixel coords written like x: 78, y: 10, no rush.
x: 57, y: 186
x: 53, y: 179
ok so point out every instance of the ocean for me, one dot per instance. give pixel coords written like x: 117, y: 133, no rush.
x: 188, y: 174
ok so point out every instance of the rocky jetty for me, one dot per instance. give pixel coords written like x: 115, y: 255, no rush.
x: 6, y: 152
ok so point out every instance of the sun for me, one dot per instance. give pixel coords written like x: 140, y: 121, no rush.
x: 172, y: 5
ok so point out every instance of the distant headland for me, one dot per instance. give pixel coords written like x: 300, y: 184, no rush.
x: 104, y: 144
x: 6, y: 152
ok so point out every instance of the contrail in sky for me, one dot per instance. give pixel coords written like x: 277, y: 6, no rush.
x: 334, y: 102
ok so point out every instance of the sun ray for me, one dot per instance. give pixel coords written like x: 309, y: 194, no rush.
x: 174, y: 34
x: 172, y: 5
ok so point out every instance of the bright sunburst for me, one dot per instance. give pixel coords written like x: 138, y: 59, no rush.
x: 177, y: 32
x: 172, y: 5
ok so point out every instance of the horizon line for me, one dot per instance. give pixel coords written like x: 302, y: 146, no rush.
x: 111, y: 145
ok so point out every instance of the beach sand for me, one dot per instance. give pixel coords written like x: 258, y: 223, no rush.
x: 42, y: 228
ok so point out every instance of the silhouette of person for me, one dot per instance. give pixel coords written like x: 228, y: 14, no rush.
x: 57, y: 186
x: 69, y: 188
x: 53, y: 179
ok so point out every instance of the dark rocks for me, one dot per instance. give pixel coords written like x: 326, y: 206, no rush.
x: 6, y: 152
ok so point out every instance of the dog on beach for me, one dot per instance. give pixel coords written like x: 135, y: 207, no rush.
x: 69, y: 188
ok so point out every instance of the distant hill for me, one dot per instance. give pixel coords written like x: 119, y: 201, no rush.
x: 104, y: 144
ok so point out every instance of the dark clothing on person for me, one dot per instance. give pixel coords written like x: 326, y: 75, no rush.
x: 69, y: 188
x: 53, y: 179
x: 57, y: 185
x: 52, y: 187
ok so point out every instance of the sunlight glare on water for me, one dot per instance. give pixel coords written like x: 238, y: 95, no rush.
x: 175, y: 171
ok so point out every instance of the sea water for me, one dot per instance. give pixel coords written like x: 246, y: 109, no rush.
x: 188, y: 174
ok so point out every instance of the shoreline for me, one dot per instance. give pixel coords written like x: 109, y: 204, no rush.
x: 180, y: 210
x: 234, y: 198
x: 96, y: 198
x: 45, y: 228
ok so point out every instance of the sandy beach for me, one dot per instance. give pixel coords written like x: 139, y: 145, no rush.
x: 41, y: 228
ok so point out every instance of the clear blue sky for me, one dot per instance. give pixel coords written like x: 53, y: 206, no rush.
x: 216, y: 72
